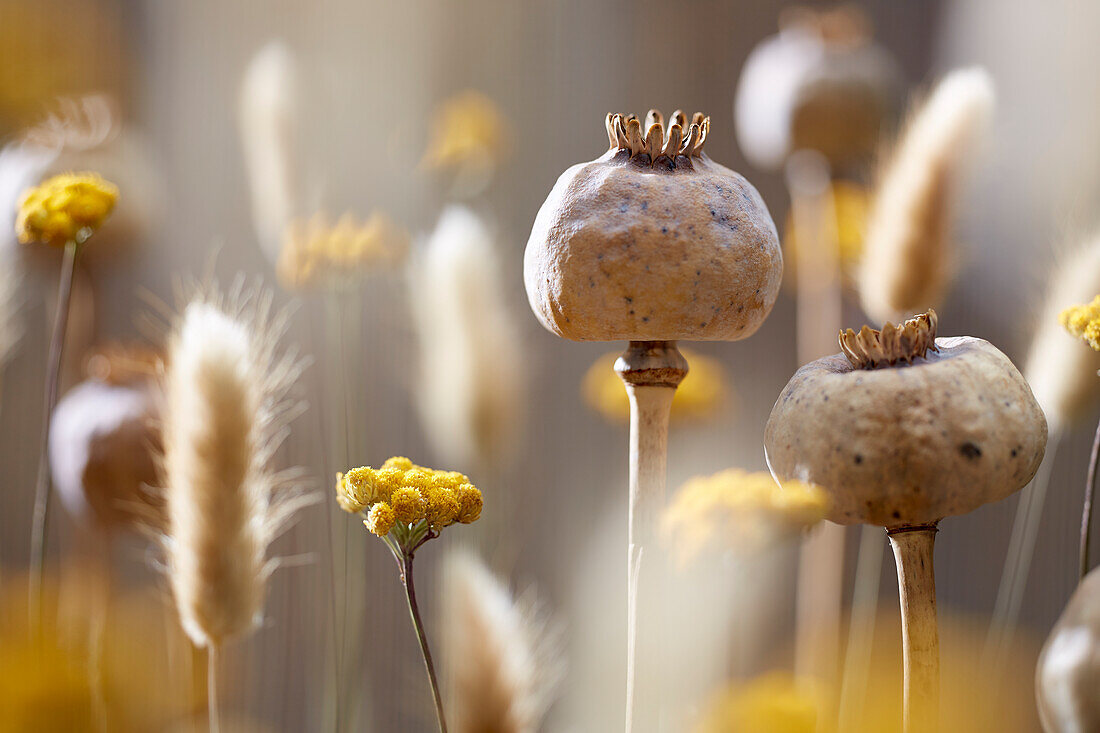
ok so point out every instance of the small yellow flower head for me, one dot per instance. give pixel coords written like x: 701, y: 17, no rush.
x: 315, y: 252
x: 443, y: 507
x: 408, y: 505
x: 399, y: 462
x: 703, y: 393
x: 738, y: 510
x: 1083, y: 321
x: 469, y: 130
x: 65, y: 208
x: 381, y: 519
x: 357, y: 489
x: 469, y: 503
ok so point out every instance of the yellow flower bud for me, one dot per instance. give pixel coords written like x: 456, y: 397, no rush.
x: 408, y: 505
x: 359, y: 488
x: 1083, y: 321
x: 469, y: 503
x: 442, y: 507
x: 399, y: 462
x: 65, y: 208
x: 381, y: 519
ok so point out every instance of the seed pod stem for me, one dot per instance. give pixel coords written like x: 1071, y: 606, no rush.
x: 919, y: 632
x: 651, y: 371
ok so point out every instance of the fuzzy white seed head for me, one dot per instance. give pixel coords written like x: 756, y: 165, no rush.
x: 503, y: 658
x: 908, y: 258
x: 224, y: 416
x: 470, y: 380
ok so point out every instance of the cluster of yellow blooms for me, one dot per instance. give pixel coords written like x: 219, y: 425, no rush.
x: 407, y: 496
x: 468, y: 129
x: 743, y: 511
x: 772, y: 703
x: 65, y: 208
x: 704, y: 391
x: 1083, y: 321
x: 316, y: 252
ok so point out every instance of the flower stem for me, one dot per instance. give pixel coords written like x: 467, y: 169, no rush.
x: 418, y: 625
x: 212, y: 688
x: 919, y: 631
x: 1086, y: 513
x: 40, y: 522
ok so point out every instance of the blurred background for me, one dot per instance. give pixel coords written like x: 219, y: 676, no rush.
x: 372, y: 81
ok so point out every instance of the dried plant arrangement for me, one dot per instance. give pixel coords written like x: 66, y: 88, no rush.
x: 502, y: 649
x: 63, y: 211
x: 903, y: 429
x: 407, y: 505
x: 598, y: 267
x: 225, y: 414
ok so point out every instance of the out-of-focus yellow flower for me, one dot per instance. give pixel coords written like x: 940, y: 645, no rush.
x: 771, y: 703
x: 1083, y: 321
x: 408, y: 499
x: 742, y: 511
x: 316, y: 253
x: 703, y: 392
x: 65, y: 208
x: 851, y: 207
x: 468, y: 130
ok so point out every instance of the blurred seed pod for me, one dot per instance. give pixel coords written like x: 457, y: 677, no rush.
x: 1067, y: 678
x: 820, y: 84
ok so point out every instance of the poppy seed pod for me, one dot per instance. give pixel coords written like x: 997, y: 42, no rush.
x: 653, y: 241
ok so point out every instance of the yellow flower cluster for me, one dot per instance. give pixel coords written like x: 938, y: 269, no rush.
x: 771, y: 703
x: 468, y: 129
x: 1083, y: 321
x: 739, y: 510
x: 704, y: 391
x: 403, y: 494
x: 316, y: 252
x: 65, y: 208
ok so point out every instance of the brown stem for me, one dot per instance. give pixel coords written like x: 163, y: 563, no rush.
x: 919, y: 632
x: 418, y: 625
x: 1086, y: 512
x: 651, y: 371
x: 41, y: 518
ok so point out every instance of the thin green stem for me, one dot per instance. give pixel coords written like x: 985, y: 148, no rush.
x: 41, y: 518
x: 418, y: 625
x: 1086, y: 513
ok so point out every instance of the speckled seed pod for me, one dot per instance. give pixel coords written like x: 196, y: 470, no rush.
x: 1067, y: 678
x: 905, y: 429
x: 653, y: 241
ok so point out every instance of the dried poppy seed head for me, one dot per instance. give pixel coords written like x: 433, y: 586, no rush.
x: 653, y: 241
x: 918, y: 437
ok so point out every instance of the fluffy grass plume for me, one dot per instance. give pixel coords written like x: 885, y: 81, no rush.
x: 470, y: 383
x: 908, y: 258
x: 225, y: 415
x: 266, y: 115
x: 503, y: 658
x: 1060, y: 369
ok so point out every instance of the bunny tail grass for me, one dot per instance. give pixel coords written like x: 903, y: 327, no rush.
x: 908, y: 258
x: 266, y: 117
x: 470, y: 385
x: 225, y: 415
x: 503, y: 659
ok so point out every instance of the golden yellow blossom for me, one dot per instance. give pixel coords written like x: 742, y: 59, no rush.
x: 771, y: 703
x: 408, y: 505
x: 468, y: 130
x: 65, y: 208
x: 1083, y: 321
x: 414, y: 500
x: 317, y: 253
x: 704, y: 391
x: 851, y: 207
x: 739, y: 510
x: 381, y: 519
